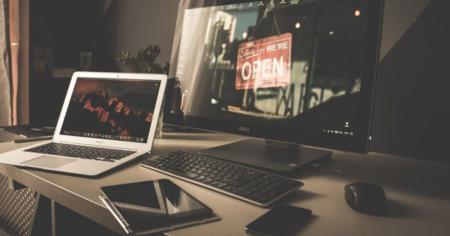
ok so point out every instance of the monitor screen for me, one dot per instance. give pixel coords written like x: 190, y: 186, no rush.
x: 111, y: 109
x: 290, y: 70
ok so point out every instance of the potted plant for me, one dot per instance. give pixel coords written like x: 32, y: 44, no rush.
x: 144, y: 62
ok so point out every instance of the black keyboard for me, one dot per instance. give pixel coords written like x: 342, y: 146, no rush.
x: 248, y: 184
x: 93, y: 153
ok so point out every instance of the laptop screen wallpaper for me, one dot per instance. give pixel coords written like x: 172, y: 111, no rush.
x: 111, y: 109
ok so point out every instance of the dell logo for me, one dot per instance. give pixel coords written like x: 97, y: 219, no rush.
x: 244, y: 129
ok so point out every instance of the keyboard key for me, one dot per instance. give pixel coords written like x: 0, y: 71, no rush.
x: 84, y: 152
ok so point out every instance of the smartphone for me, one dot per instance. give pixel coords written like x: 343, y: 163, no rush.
x: 281, y: 220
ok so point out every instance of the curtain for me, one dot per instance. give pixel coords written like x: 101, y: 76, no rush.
x: 5, y: 87
x: 19, y: 48
x: 14, y: 36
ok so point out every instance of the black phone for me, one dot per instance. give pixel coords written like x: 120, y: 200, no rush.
x: 281, y: 220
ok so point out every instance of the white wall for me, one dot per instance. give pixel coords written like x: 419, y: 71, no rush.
x: 140, y: 22
x: 399, y: 16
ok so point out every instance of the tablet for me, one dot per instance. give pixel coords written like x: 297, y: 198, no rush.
x: 158, y: 197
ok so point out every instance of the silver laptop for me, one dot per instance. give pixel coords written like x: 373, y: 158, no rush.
x: 107, y: 119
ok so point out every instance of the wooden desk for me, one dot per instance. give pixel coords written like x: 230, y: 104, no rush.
x: 417, y: 190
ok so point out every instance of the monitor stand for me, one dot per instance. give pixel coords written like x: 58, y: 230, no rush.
x: 268, y: 155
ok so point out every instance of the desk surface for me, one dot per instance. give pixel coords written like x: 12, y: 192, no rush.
x: 418, y: 192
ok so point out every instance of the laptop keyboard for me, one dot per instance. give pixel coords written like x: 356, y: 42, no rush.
x: 248, y: 184
x: 84, y: 152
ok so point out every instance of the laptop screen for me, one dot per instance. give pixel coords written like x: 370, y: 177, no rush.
x: 111, y: 109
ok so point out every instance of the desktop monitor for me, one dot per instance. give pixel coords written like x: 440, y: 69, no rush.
x: 291, y: 71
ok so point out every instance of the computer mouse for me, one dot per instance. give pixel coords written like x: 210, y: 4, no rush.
x: 366, y: 198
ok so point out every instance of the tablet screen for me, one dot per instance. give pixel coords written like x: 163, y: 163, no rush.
x: 178, y: 202
x: 159, y: 196
x: 140, y: 194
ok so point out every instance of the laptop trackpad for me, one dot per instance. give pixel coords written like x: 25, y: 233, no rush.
x: 48, y: 162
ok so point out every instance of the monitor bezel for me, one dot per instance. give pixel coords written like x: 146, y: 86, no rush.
x: 360, y: 142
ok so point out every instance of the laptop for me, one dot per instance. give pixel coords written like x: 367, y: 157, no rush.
x: 107, y: 119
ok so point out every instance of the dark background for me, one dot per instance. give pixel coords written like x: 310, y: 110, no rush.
x: 412, y: 110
